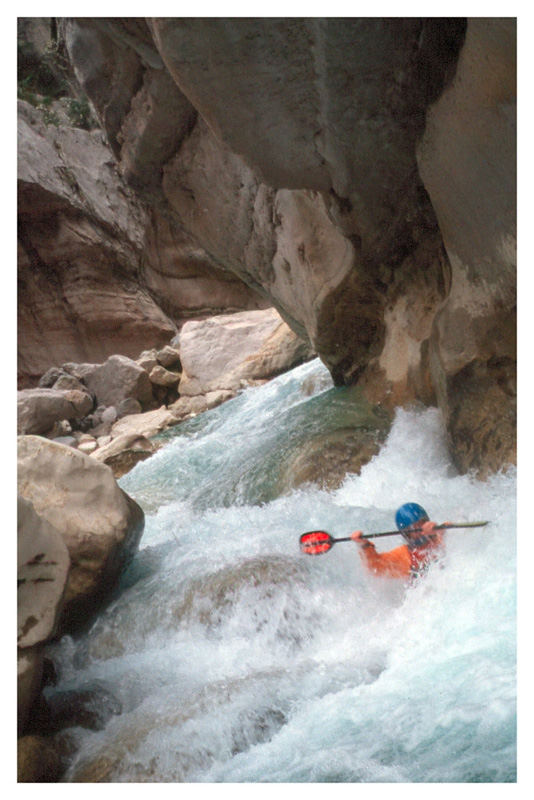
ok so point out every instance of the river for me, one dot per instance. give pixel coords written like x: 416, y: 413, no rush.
x: 235, y: 659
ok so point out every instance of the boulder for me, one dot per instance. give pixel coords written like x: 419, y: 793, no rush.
x: 147, y: 360
x: 327, y: 459
x: 50, y: 377
x: 168, y: 356
x: 280, y: 351
x: 38, y: 409
x: 67, y: 382
x: 219, y: 352
x: 119, y: 378
x: 42, y: 569
x: 148, y: 424
x: 129, y: 440
x: 90, y: 707
x: 87, y: 446
x: 214, y: 399
x: 80, y: 371
x: 186, y: 407
x: 37, y: 760
x: 109, y: 415
x: 163, y: 377
x: 100, y: 524
x: 29, y: 677
x: 128, y: 406
x: 124, y: 452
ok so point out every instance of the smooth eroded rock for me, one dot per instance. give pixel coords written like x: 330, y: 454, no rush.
x: 42, y: 569
x: 220, y: 352
x: 100, y: 524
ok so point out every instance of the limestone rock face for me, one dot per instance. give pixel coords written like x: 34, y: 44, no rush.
x: 357, y: 174
x: 100, y: 525
x: 98, y: 273
x: 467, y: 161
x: 80, y: 245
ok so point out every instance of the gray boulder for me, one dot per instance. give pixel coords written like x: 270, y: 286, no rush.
x: 147, y: 360
x: 128, y: 406
x: 50, y: 377
x: 38, y: 409
x: 119, y: 378
x: 168, y: 356
x: 160, y: 376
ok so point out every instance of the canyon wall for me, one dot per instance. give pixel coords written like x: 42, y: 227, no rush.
x: 357, y: 174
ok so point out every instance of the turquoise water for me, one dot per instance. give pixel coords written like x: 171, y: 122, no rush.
x: 238, y: 660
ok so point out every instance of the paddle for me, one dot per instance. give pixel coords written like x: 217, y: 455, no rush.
x: 314, y: 543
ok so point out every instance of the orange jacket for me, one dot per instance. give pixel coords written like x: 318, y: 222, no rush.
x: 402, y: 561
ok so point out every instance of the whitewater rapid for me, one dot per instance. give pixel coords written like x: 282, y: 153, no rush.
x: 235, y: 659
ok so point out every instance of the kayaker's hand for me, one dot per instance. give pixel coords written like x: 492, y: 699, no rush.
x: 430, y: 528
x: 357, y: 537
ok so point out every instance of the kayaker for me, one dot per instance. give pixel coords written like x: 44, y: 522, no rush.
x: 410, y: 559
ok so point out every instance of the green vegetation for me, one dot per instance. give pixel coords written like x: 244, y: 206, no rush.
x: 38, y: 75
x: 42, y: 80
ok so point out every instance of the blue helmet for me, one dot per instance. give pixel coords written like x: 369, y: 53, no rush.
x: 408, y: 514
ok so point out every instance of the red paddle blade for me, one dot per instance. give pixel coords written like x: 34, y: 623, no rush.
x: 315, y: 542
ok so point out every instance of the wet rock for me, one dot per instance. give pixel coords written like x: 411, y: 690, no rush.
x: 186, y: 407
x: 148, y: 424
x: 482, y: 416
x: 124, y: 451
x: 212, y: 597
x: 327, y: 459
x: 37, y: 760
x: 29, y: 677
x: 90, y: 708
x: 214, y: 399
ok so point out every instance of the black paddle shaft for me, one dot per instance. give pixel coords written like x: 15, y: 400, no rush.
x: 317, y: 542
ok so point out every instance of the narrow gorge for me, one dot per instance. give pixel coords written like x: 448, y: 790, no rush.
x: 356, y: 174
x: 266, y: 281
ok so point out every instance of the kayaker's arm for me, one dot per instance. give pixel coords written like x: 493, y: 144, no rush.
x: 393, y: 564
